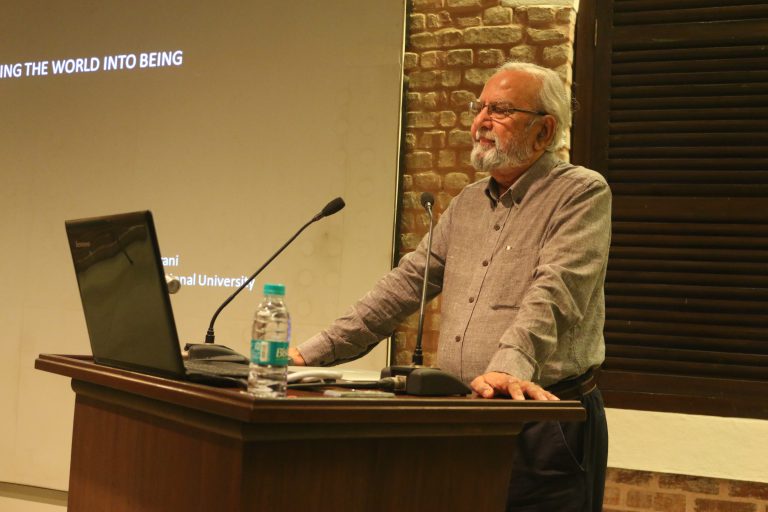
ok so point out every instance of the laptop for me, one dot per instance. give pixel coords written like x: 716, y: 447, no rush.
x: 126, y: 302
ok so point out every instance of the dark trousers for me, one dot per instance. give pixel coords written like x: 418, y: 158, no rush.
x: 560, y: 467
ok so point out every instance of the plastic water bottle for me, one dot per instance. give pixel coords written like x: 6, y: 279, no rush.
x: 270, y: 337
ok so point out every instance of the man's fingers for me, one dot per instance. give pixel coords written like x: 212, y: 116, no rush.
x: 481, y: 387
x: 538, y: 393
x: 495, y: 384
x: 515, y: 390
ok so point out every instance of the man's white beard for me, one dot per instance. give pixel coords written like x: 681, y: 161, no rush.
x: 516, y: 155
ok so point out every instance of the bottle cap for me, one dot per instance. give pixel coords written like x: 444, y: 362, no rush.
x: 274, y: 289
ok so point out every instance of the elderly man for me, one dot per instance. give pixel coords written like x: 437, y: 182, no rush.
x: 520, y: 260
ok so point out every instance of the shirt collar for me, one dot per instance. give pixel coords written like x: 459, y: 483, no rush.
x: 519, y: 188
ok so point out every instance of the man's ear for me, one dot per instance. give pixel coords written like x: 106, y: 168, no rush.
x: 546, y: 132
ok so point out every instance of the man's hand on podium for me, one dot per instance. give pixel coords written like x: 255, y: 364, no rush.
x: 496, y: 384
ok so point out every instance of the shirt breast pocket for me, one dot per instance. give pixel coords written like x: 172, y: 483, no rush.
x: 509, y: 276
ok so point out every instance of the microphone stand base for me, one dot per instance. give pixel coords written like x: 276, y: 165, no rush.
x: 392, y: 371
x: 424, y: 381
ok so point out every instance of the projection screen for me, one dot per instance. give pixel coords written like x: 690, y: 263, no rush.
x: 234, y: 123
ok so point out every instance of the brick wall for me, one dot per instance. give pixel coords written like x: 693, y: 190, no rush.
x: 628, y: 490
x: 452, y: 48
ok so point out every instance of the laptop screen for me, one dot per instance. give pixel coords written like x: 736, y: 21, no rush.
x: 123, y: 291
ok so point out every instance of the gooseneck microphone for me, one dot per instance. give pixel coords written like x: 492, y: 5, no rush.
x: 427, y: 200
x: 332, y: 207
x: 420, y: 380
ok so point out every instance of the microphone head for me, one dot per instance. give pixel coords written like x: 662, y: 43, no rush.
x: 427, y: 199
x: 334, y: 206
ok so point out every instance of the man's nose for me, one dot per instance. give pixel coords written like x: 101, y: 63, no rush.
x: 482, y: 118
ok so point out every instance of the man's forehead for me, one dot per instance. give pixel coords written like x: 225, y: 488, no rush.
x: 509, y: 85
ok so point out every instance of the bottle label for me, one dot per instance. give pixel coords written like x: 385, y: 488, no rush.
x: 267, y: 352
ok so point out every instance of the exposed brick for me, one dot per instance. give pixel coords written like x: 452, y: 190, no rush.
x: 522, y: 53
x: 407, y: 221
x: 457, y: 4
x: 472, y: 21
x: 420, y: 5
x: 433, y: 59
x: 418, y: 22
x: 461, y: 98
x: 413, y: 101
x: 564, y: 15
x: 465, y: 158
x: 422, y: 41
x: 461, y: 57
x: 447, y: 119
x: 446, y: 158
x: 455, y: 181
x: 439, y: 20
x: 430, y: 100
x: 442, y: 200
x: 432, y: 139
x: 410, y: 60
x: 478, y: 76
x: 407, y: 179
x: 418, y: 160
x: 547, y: 36
x: 556, y: 55
x: 541, y: 15
x: 449, y: 37
x: 527, y: 3
x: 493, y: 35
x: 422, y: 225
x: 411, y: 200
x: 490, y: 57
x: 458, y: 138
x: 450, y: 78
x: 427, y: 181
x: 466, y: 118
x: 689, y: 483
x: 666, y: 502
x: 707, y: 505
x: 749, y: 490
x: 423, y: 79
x: 421, y: 119
x: 410, y: 141
x: 408, y: 241
x: 639, y: 499
x: 611, y: 496
x: 497, y: 16
x: 628, y: 476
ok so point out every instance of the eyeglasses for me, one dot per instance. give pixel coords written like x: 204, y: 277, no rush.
x: 500, y: 110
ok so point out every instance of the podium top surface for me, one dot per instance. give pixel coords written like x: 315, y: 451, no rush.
x: 303, y: 407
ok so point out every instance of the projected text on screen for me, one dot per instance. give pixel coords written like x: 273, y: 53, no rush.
x: 200, y: 279
x: 70, y: 66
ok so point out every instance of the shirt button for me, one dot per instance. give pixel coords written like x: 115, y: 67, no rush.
x: 485, y: 263
x: 458, y: 338
x: 497, y: 227
x: 471, y: 300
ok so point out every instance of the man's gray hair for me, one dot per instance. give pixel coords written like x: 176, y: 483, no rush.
x: 553, y: 97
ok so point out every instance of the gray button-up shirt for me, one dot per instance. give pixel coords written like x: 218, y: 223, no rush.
x: 521, y: 278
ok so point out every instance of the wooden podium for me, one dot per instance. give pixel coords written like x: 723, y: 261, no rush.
x: 144, y: 443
